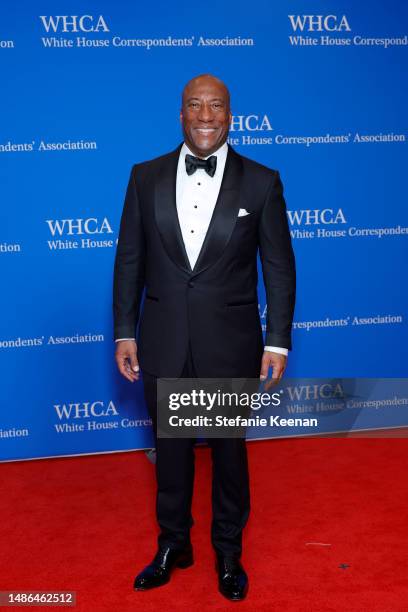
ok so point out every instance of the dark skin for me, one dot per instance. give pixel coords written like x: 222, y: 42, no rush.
x: 205, y: 117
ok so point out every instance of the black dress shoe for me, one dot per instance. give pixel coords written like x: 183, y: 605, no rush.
x: 232, y: 579
x: 159, y: 571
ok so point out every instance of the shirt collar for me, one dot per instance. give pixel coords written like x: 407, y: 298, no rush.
x: 220, y: 153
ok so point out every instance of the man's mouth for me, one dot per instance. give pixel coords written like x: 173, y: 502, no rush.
x: 205, y: 131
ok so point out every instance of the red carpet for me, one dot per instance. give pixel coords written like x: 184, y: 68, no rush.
x: 86, y: 524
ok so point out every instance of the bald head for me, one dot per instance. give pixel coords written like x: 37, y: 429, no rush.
x: 205, y: 114
x: 204, y: 80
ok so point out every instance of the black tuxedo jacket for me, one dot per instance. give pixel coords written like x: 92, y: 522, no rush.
x: 214, y: 307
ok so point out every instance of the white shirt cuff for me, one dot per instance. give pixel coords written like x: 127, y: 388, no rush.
x: 277, y: 349
x: 119, y: 339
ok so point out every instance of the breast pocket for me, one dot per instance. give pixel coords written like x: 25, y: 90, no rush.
x: 249, y: 217
x: 246, y: 223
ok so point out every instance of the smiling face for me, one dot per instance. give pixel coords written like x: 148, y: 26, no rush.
x: 205, y: 115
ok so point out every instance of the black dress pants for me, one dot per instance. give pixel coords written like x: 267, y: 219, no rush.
x: 175, y: 479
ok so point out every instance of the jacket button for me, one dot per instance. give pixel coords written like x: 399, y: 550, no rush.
x: 190, y: 284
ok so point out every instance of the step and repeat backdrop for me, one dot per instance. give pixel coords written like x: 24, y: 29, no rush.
x: 319, y: 92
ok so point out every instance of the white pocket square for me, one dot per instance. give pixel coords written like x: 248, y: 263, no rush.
x: 243, y: 213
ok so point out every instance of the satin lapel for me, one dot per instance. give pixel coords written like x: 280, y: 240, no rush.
x: 225, y: 214
x: 166, y: 211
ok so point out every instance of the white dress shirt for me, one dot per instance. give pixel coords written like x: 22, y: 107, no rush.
x: 196, y: 196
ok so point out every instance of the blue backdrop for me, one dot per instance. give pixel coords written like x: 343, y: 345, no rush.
x: 319, y: 92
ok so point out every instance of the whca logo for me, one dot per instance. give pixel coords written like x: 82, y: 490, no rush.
x: 74, y: 23
x: 77, y: 227
x: 324, y: 216
x: 85, y: 410
x: 319, y: 23
x: 250, y: 123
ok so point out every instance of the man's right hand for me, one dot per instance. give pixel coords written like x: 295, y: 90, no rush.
x: 126, y: 359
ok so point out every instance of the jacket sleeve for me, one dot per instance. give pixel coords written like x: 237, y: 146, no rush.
x: 129, y: 268
x: 278, y: 266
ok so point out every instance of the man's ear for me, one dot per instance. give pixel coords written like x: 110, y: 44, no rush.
x: 181, y: 116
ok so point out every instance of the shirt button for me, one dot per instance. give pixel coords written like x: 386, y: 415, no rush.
x: 195, y: 205
x: 192, y: 231
x: 198, y: 183
x: 190, y: 284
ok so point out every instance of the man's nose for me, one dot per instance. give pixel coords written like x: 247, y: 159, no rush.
x: 205, y: 113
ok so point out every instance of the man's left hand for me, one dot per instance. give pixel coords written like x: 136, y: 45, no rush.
x: 278, y: 364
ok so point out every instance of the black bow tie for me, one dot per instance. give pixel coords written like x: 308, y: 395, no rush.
x: 209, y: 165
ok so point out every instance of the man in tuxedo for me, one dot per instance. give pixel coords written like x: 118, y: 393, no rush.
x: 192, y: 225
